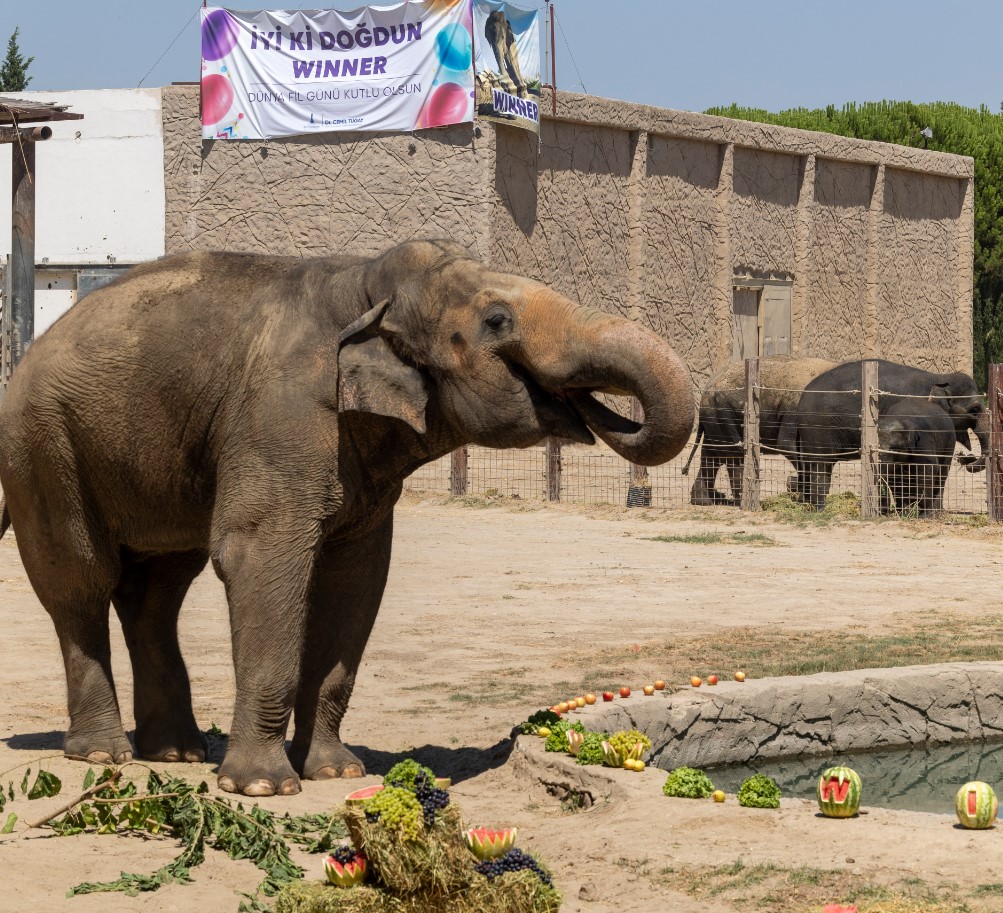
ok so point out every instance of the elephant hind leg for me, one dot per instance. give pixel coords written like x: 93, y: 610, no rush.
x: 148, y: 600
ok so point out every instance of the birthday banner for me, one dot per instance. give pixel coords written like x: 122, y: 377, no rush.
x: 507, y: 63
x: 282, y: 73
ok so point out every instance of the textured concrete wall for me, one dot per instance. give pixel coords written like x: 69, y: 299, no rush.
x: 646, y: 212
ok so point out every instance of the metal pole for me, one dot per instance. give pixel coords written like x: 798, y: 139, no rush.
x: 869, y: 454
x: 22, y: 260
x: 553, y: 65
x: 750, y: 463
x: 994, y: 462
x: 639, y: 491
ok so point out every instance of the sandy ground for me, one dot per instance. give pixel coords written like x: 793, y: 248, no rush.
x: 484, y: 605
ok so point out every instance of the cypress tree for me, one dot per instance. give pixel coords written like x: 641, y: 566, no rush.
x: 14, y: 70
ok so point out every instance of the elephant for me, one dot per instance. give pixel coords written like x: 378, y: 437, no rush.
x: 722, y: 419
x: 498, y: 31
x: 916, y: 440
x: 262, y: 412
x: 827, y: 426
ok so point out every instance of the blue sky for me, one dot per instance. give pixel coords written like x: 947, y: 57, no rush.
x: 772, y: 54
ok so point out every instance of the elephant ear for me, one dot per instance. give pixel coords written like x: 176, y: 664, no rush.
x: 372, y: 378
x: 940, y: 391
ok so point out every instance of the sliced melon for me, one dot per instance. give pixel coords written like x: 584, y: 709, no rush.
x: 360, y: 795
x: 443, y: 782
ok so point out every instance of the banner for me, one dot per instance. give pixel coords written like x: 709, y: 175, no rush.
x: 507, y: 63
x: 281, y: 73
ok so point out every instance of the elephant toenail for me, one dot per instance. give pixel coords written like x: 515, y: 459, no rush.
x: 352, y: 771
x: 290, y: 787
x: 324, y: 773
x: 259, y: 787
x: 195, y: 756
x: 171, y: 756
x: 226, y: 784
x: 100, y: 757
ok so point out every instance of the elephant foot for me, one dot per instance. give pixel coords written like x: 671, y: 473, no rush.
x: 331, y: 762
x: 98, y: 748
x: 156, y: 743
x: 256, y: 777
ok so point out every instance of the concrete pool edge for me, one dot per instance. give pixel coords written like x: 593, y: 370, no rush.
x: 825, y: 713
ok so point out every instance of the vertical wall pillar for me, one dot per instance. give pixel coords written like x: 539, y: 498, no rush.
x: 869, y: 455
x: 721, y: 289
x: 802, y: 258
x: 872, y: 307
x: 637, y: 228
x: 22, y: 259
x: 966, y: 275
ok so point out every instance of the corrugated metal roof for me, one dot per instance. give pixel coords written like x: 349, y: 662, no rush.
x: 19, y: 111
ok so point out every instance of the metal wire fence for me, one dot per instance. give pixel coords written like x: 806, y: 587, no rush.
x: 891, y: 453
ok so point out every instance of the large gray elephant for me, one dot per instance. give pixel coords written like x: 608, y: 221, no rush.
x: 262, y: 412
x: 498, y: 31
x: 827, y: 427
x: 916, y: 439
x: 721, y: 427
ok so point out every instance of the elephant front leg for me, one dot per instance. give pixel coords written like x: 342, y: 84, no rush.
x: 345, y: 596
x: 266, y: 575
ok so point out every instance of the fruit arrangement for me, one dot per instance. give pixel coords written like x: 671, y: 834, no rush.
x: 486, y: 843
x: 976, y: 805
x: 345, y: 867
x: 838, y: 792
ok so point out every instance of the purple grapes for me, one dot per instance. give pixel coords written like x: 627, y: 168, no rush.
x: 513, y: 861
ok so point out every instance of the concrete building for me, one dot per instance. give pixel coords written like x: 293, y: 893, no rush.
x: 729, y: 238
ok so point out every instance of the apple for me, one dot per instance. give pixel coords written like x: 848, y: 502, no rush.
x: 696, y: 681
x: 718, y: 795
x: 649, y: 690
x: 625, y: 691
x: 580, y: 701
x: 562, y: 707
x: 739, y: 676
x: 659, y: 685
x: 607, y: 695
x: 711, y: 679
x: 590, y: 699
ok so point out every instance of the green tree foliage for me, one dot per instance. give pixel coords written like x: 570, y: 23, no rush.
x: 14, y: 69
x: 977, y: 132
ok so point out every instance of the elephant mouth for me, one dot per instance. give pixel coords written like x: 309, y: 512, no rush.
x: 587, y: 417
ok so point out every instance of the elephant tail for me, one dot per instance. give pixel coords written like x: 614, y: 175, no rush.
x: 4, y: 516
x: 696, y: 443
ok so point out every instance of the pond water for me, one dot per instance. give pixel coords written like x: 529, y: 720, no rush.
x: 922, y: 779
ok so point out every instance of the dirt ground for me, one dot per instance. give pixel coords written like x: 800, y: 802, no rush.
x: 487, y: 605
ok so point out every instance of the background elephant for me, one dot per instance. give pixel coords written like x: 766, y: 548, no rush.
x: 498, y: 31
x: 262, y: 412
x: 722, y: 419
x: 827, y: 428
x: 916, y: 439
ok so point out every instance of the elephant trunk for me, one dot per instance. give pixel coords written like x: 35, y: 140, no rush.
x: 610, y: 354
x: 982, y: 433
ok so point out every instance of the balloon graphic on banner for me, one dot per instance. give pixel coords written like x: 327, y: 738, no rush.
x: 217, y: 96
x: 454, y: 47
x: 448, y: 104
x: 219, y: 35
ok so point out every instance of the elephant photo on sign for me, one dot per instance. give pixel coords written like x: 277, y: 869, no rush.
x: 261, y: 413
x: 721, y: 428
x: 826, y: 429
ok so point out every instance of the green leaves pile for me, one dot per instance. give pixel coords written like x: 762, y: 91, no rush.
x: 557, y: 740
x: 541, y: 718
x: 759, y: 791
x: 591, y: 751
x: 688, y: 783
x: 45, y: 785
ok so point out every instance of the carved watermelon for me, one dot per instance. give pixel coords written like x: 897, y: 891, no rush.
x: 486, y: 843
x: 976, y: 805
x: 347, y: 874
x: 360, y: 795
x: 839, y: 792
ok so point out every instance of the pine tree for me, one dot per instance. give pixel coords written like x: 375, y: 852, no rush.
x: 14, y: 70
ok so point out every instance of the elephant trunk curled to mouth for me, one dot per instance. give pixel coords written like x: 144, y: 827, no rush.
x: 262, y: 412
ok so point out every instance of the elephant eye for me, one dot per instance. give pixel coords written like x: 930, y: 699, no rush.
x: 497, y: 320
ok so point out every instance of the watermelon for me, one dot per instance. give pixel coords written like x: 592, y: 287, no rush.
x: 486, y: 843
x: 360, y: 795
x: 976, y: 805
x: 839, y: 792
x: 443, y: 782
x: 348, y: 874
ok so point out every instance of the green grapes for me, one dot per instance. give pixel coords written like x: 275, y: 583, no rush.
x: 623, y: 741
x: 404, y: 773
x: 397, y: 809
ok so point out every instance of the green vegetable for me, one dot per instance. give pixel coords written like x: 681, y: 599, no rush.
x: 541, y: 718
x: 557, y: 740
x: 591, y: 750
x: 688, y: 783
x: 404, y: 773
x: 624, y: 740
x: 759, y: 791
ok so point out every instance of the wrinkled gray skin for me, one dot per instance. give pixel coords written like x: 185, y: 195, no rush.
x: 261, y: 412
x: 722, y: 419
x: 827, y: 427
x: 916, y: 439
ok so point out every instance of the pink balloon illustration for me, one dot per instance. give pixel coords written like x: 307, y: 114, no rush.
x: 217, y: 96
x: 448, y: 104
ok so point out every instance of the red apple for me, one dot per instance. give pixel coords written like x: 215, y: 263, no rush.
x: 607, y: 695
x: 659, y: 685
x: 625, y: 691
x: 711, y: 679
x: 739, y: 676
x: 649, y: 690
x: 562, y: 707
x: 590, y: 699
x: 696, y: 681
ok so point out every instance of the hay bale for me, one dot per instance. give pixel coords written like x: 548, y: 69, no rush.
x: 321, y: 897
x: 513, y: 892
x: 438, y: 863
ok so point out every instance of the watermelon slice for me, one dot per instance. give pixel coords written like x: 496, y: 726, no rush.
x: 360, y: 795
x: 487, y: 843
x: 345, y: 875
x: 443, y: 782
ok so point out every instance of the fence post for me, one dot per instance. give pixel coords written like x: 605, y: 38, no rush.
x: 750, y: 463
x: 458, y: 472
x: 553, y: 469
x: 869, y: 499
x: 639, y: 492
x: 994, y: 462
